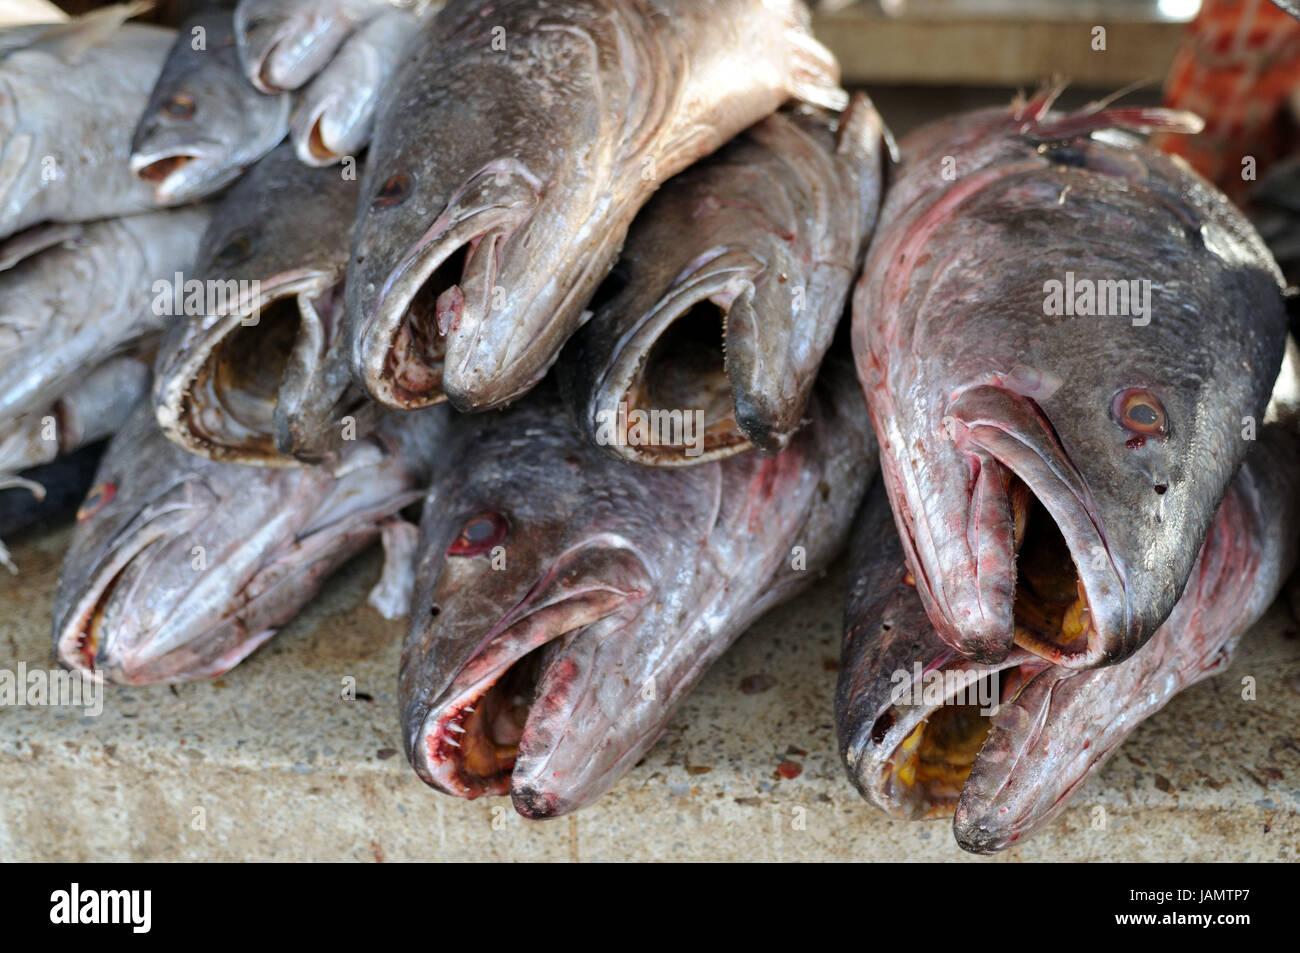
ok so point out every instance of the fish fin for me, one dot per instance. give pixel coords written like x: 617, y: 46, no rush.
x: 815, y: 73
x: 860, y: 129
x: 391, y: 596
x: 1142, y: 119
x: 35, y: 239
x: 1040, y: 104
x: 69, y: 40
x: 7, y: 561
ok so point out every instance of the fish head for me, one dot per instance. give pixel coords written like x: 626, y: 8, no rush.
x: 476, y: 247
x: 513, y: 563
x: 284, y: 44
x: 181, y: 567
x: 203, y: 124
x: 259, y: 373
x: 1086, y: 410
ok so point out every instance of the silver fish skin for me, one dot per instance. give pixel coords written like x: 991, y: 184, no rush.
x: 475, y: 254
x: 336, y: 113
x: 74, y: 295
x: 180, y: 567
x: 1101, y: 441
x: 262, y: 377
x: 733, y: 281
x: 614, y: 588
x: 93, y: 408
x: 204, y: 125
x: 65, y: 125
x: 1006, y: 770
x: 284, y: 43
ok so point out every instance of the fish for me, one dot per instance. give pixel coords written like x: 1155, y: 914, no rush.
x: 262, y: 376
x: 180, y: 567
x: 336, y: 113
x: 45, y: 494
x: 565, y: 603
x: 204, y: 124
x: 1002, y: 747
x: 72, y: 296
x: 476, y: 253
x: 1057, y: 436
x: 93, y: 407
x: 63, y: 155
x: 284, y: 43
x: 730, y: 287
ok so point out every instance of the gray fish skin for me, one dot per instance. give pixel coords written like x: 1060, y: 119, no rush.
x: 68, y: 304
x: 760, y: 242
x: 88, y: 138
x: 1008, y: 774
x: 284, y: 43
x: 336, y: 114
x: 475, y: 254
x: 624, y: 583
x: 180, y: 567
x: 204, y: 124
x: 92, y: 408
x: 274, y: 391
x: 1125, y: 436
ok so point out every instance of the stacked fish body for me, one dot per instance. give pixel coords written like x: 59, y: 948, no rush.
x: 566, y: 603
x: 1056, y: 437
x: 296, y: 226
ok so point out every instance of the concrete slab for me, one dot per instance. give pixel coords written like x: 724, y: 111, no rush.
x: 268, y: 763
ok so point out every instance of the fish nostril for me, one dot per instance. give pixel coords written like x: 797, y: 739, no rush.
x: 1161, y: 487
x: 434, y: 611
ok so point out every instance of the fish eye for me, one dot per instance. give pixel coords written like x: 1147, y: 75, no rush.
x: 479, y: 535
x: 99, y: 497
x: 395, y: 190
x: 234, y: 251
x: 179, y: 106
x: 1141, y: 412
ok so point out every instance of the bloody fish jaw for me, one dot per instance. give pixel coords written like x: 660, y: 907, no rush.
x: 468, y: 744
x: 1064, y: 566
x: 443, y: 289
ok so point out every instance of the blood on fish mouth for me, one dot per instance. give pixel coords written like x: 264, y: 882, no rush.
x: 468, y: 743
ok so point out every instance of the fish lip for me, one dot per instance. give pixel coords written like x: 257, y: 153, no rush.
x: 1041, y: 462
x: 520, y: 631
x: 721, y: 271
x: 977, y: 830
x: 178, y: 370
x: 144, y: 531
x: 256, y: 64
x: 181, y: 182
x: 485, y: 229
x: 867, y: 761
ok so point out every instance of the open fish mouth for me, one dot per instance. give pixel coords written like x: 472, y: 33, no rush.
x: 1070, y: 605
x: 80, y: 644
x: 673, y: 363
x: 172, y: 173
x: 915, y: 758
x: 219, y: 395
x: 469, y: 739
x: 443, y: 287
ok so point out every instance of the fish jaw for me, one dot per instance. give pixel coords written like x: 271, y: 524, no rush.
x: 464, y: 741
x: 282, y: 51
x: 1011, y: 435
x: 433, y: 304
x: 189, y: 400
x: 675, y: 328
x: 77, y: 639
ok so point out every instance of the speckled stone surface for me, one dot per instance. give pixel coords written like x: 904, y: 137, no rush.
x: 268, y: 763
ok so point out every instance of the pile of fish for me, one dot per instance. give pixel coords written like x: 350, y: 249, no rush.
x: 653, y: 320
